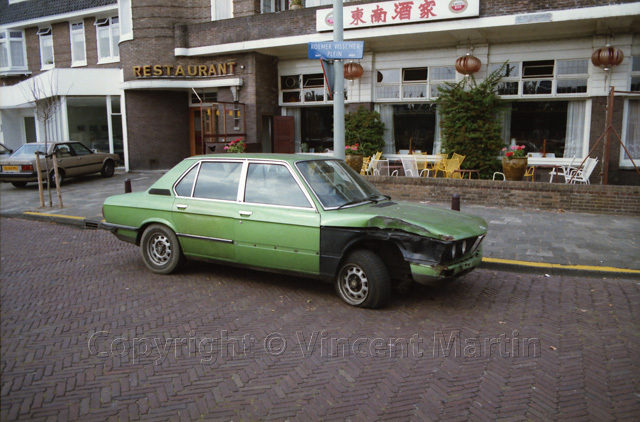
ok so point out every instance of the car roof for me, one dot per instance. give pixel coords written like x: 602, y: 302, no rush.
x: 291, y: 158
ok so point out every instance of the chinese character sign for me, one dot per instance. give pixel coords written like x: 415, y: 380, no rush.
x: 397, y: 12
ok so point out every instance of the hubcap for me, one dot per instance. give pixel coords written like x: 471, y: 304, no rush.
x: 354, y: 284
x: 160, y: 249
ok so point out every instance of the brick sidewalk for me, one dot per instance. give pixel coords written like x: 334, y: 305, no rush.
x: 89, y: 334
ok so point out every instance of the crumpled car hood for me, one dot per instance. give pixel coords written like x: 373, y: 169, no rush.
x: 408, y: 217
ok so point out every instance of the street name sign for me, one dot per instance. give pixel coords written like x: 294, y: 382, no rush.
x: 336, y: 50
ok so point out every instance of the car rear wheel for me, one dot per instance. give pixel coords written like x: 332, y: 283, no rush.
x: 363, y: 280
x: 160, y: 249
x: 108, y: 168
x: 19, y: 184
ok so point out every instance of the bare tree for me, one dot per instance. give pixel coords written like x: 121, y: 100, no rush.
x: 41, y: 92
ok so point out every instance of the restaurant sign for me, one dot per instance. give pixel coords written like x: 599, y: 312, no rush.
x: 179, y: 71
x: 398, y: 12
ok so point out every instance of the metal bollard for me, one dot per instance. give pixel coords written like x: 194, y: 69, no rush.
x: 455, y: 202
x: 127, y: 185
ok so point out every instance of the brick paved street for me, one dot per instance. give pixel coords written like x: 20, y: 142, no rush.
x: 89, y: 334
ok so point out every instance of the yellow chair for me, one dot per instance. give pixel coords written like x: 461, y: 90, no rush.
x: 451, y: 165
x: 365, y: 165
x: 531, y: 172
x: 378, y: 155
x: 437, y: 165
x: 459, y: 157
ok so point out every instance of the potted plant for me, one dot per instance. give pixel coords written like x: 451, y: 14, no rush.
x: 235, y: 146
x: 514, y: 162
x: 353, y: 156
x: 295, y: 4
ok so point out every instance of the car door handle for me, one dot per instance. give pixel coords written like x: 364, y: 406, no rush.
x: 246, y: 213
x: 181, y: 206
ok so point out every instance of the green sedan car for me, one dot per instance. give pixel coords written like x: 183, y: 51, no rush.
x: 299, y: 214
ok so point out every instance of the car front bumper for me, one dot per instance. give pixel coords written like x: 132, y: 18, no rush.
x: 430, y: 275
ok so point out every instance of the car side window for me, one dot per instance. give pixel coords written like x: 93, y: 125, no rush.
x: 185, y: 186
x: 273, y: 184
x: 63, y: 151
x: 80, y: 149
x: 218, y: 180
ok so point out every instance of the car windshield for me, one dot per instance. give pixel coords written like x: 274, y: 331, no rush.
x: 336, y: 185
x: 27, y: 151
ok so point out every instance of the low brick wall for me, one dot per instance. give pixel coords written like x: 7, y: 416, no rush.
x: 595, y: 199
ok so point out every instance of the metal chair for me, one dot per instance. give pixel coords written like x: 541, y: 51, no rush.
x: 563, y: 171
x: 531, y: 172
x: 582, y: 174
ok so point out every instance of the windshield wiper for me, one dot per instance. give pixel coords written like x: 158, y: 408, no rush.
x: 371, y: 198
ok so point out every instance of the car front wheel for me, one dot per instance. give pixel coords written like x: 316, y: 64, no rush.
x: 160, y: 249
x: 108, y: 168
x: 363, y: 280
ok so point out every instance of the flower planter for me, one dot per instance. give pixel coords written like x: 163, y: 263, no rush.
x: 514, y: 168
x: 354, y: 161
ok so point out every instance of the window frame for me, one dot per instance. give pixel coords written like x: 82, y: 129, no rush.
x: 45, y: 38
x: 627, y: 163
x: 110, y: 26
x: 74, y: 61
x: 555, y: 77
x: 214, y: 10
x: 404, y: 86
x: 6, y: 44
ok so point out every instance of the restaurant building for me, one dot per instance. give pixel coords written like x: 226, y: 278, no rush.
x: 185, y: 78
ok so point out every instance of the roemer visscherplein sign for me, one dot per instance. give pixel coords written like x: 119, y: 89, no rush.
x: 398, y: 12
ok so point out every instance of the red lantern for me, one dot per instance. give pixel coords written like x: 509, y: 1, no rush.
x: 352, y: 71
x: 468, y: 64
x: 607, y: 57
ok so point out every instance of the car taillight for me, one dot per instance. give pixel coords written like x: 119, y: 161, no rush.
x: 28, y: 167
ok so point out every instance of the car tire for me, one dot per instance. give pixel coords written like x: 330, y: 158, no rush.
x: 52, y: 178
x: 363, y: 280
x: 19, y: 184
x: 160, y: 249
x: 108, y: 168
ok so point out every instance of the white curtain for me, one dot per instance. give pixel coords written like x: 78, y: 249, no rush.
x: 386, y: 116
x: 505, y: 118
x: 437, y: 137
x: 574, y: 138
x: 632, y: 135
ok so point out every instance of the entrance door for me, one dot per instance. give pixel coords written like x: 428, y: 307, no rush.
x: 283, y: 134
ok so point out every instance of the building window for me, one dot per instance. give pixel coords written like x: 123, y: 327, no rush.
x: 108, y: 33
x: 272, y: 6
x: 46, y: 48
x: 221, y: 9
x: 543, y: 77
x: 304, y: 89
x: 635, y: 74
x: 12, y: 51
x: 417, y: 83
x: 126, y: 19
x: 78, y: 51
x: 556, y: 129
x: 631, y: 134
